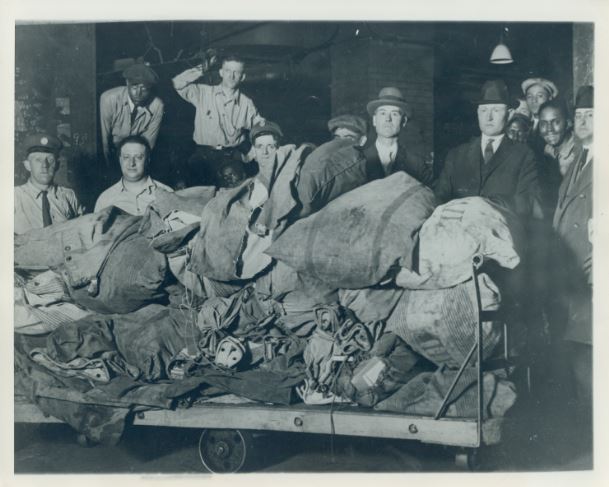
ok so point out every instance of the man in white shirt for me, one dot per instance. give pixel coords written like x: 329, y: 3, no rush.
x: 136, y: 189
x: 222, y: 118
x: 132, y: 109
x: 390, y: 114
x: 40, y: 202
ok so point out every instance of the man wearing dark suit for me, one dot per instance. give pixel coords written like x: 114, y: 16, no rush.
x: 492, y: 165
x: 573, y: 226
x: 390, y: 113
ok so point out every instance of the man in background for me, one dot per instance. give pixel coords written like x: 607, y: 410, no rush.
x: 132, y: 109
x: 222, y: 118
x: 40, y: 202
x: 390, y: 114
x: 491, y: 165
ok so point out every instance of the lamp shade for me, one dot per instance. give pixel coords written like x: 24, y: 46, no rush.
x: 501, y: 55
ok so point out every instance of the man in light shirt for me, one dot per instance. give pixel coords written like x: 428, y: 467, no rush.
x: 491, y: 165
x: 130, y: 110
x: 136, y: 189
x: 390, y: 114
x: 40, y: 202
x: 222, y: 118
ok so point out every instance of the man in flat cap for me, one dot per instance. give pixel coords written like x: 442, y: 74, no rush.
x: 40, y: 202
x: 349, y: 127
x: 537, y: 91
x: 491, y: 165
x: 390, y: 114
x: 336, y: 167
x: 132, y: 109
x: 222, y: 118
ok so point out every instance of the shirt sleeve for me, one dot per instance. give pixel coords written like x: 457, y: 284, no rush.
x: 76, y: 209
x: 102, y: 202
x: 184, y: 84
x: 105, y: 115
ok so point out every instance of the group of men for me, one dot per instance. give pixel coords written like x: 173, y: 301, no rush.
x: 533, y: 158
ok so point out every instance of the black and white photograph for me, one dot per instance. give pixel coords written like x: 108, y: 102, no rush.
x: 303, y: 245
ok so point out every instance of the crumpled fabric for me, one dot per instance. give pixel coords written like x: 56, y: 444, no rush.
x: 389, y: 365
x: 46, y: 288
x: 133, y: 276
x: 226, y: 220
x: 80, y: 246
x: 441, y: 324
x: 424, y: 395
x: 370, y: 304
x: 318, y: 358
x: 39, y: 319
x: 481, y: 227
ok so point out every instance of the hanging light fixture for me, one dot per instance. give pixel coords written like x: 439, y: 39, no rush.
x: 501, y: 54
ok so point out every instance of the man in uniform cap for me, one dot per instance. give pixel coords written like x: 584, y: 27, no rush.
x: 349, y: 127
x: 573, y: 226
x: 132, y: 109
x: 390, y: 114
x: 40, y: 202
x: 491, y: 165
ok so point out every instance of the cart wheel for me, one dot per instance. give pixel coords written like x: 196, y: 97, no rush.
x: 224, y: 451
x: 467, y: 459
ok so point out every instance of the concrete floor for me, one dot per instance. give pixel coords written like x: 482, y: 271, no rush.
x: 52, y: 448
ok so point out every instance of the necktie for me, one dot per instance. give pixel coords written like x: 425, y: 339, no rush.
x: 46, y: 210
x: 133, y: 115
x: 488, y: 151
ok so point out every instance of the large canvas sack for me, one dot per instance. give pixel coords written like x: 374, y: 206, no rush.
x: 455, y: 233
x: 440, y: 324
x: 133, y: 276
x: 359, y: 237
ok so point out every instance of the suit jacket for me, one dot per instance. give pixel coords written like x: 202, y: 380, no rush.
x: 510, y: 177
x: 404, y: 161
x: 573, y: 212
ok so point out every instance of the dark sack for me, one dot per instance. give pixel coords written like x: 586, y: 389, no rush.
x: 359, y: 237
x: 132, y: 276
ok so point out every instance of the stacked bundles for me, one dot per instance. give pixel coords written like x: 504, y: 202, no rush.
x: 369, y: 300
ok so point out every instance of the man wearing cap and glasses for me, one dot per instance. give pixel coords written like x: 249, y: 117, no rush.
x: 40, y: 202
x: 492, y: 165
x: 390, y: 114
x: 222, y: 117
x: 131, y: 110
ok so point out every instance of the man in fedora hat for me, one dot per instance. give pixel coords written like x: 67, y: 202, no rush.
x: 390, y: 114
x: 40, y: 202
x: 573, y: 226
x: 491, y: 165
x: 131, y: 109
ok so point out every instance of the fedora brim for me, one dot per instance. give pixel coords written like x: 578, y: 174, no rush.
x: 374, y: 104
x: 511, y: 103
